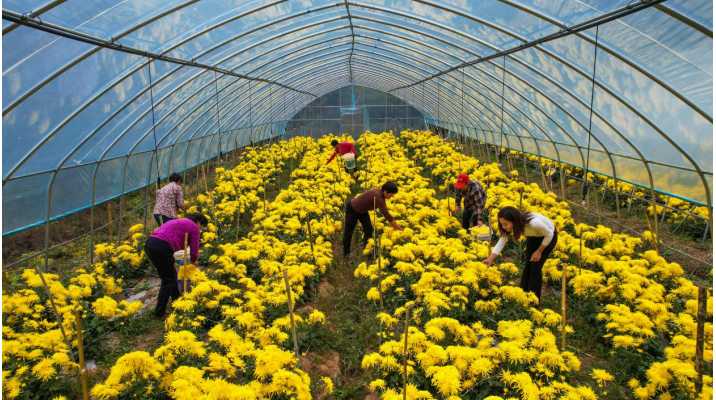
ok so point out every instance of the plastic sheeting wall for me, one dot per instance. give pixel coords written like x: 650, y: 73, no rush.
x: 629, y: 97
x: 353, y: 110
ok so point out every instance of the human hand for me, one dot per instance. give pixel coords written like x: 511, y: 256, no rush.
x: 536, y: 256
x: 489, y: 260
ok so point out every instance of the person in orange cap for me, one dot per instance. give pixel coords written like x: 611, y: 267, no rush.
x: 474, y: 197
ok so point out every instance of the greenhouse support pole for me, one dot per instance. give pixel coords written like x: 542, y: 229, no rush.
x: 91, y: 231
x: 498, y: 151
x: 218, y: 115
x: 155, y: 154
x: 585, y: 183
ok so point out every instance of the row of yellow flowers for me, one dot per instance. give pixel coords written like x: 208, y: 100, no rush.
x: 471, y: 335
x: 40, y: 346
x: 230, y: 336
x: 678, y: 212
x: 642, y: 300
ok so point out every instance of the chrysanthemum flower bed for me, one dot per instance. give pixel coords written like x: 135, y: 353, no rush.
x: 472, y: 333
x: 41, y: 357
x: 230, y: 336
x: 643, y: 306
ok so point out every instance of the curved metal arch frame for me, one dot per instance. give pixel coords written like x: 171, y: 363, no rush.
x: 609, y: 50
x: 538, y: 126
x: 115, y: 38
x: 457, y: 118
x: 607, y: 153
x: 337, y: 59
x: 191, y: 79
x: 550, y: 54
x: 189, y: 98
x: 469, y: 51
x: 630, y: 107
x: 178, y: 136
x: 110, y: 85
x: 565, y: 132
x: 517, y: 92
x: 583, y: 73
x: 452, y: 88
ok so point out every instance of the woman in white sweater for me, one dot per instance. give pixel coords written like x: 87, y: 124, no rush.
x: 541, y: 238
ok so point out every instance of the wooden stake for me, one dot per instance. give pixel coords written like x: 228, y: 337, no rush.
x: 186, y: 258
x: 703, y: 296
x: 109, y: 219
x: 290, y: 311
x: 238, y: 221
x: 405, y: 354
x: 310, y: 239
x: 206, y: 181
x: 564, y: 307
x: 81, y: 351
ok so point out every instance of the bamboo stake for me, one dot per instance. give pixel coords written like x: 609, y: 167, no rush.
x: 703, y: 295
x: 564, y: 307
x: 310, y: 239
x: 81, y: 351
x: 186, y: 258
x: 405, y: 353
x: 109, y: 219
x: 238, y: 221
x: 206, y: 181
x: 581, y: 265
x: 52, y: 304
x: 377, y: 254
x: 290, y: 311
x: 522, y: 191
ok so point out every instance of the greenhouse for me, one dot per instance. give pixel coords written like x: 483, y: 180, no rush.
x: 371, y: 199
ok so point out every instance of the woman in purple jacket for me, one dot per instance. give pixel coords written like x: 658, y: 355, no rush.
x: 160, y: 248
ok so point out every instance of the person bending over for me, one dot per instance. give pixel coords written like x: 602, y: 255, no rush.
x: 474, y: 197
x: 357, y: 210
x: 160, y: 248
x: 541, y: 236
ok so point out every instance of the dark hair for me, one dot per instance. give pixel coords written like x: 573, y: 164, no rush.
x: 389, y: 187
x: 518, y: 219
x: 334, y: 142
x: 199, y: 219
x: 175, y: 178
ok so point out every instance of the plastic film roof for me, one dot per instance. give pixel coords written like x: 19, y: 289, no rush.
x: 629, y: 98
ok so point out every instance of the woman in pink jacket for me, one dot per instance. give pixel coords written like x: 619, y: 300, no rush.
x: 160, y: 248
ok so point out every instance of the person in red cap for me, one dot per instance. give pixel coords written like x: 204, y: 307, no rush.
x: 474, y: 195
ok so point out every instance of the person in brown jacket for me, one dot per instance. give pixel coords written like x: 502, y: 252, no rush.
x: 357, y: 210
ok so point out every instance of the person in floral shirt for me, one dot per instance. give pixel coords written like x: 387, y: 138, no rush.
x: 170, y: 198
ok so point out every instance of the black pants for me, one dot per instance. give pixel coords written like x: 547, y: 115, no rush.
x: 469, y: 218
x: 349, y: 226
x: 162, y: 256
x: 532, y: 274
x: 160, y: 218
